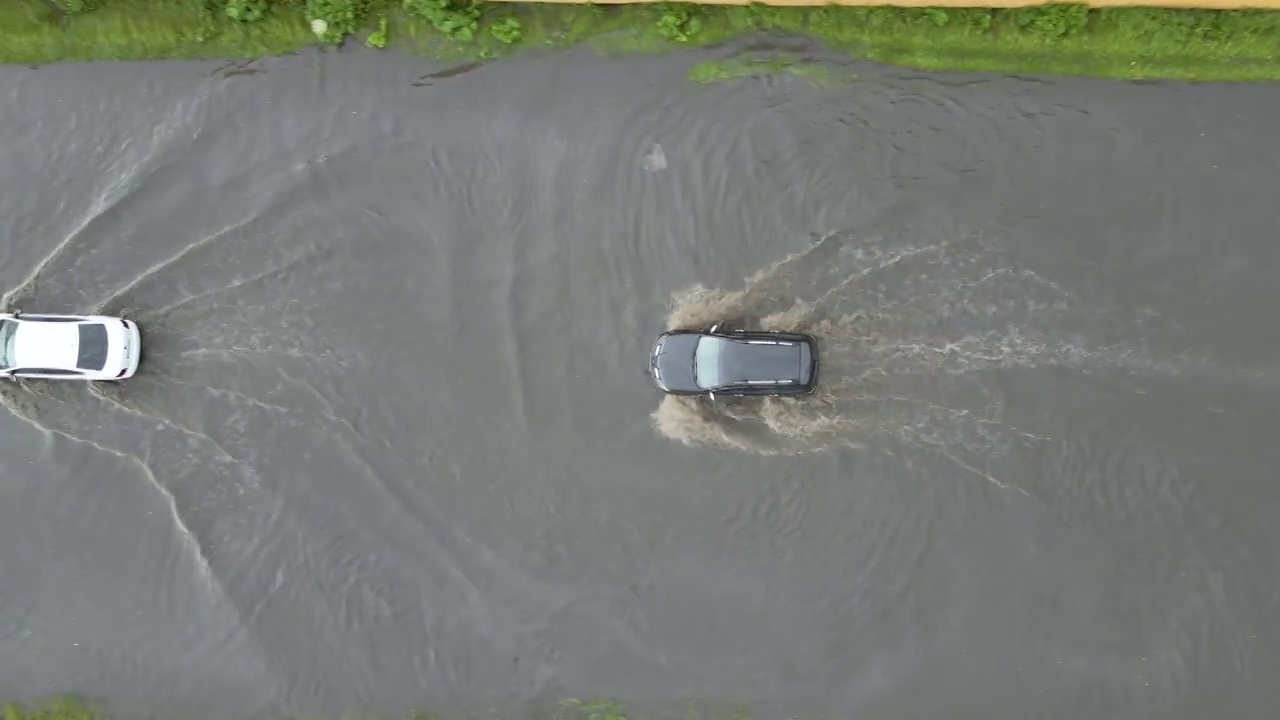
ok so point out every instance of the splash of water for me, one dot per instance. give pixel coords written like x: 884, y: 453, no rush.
x: 907, y: 331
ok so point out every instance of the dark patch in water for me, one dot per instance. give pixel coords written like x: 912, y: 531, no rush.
x: 451, y: 72
x: 238, y: 68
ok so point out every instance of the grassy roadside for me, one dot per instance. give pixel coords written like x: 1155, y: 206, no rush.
x: 1197, y: 45
x: 52, y: 709
x: 570, y: 709
x: 775, y: 64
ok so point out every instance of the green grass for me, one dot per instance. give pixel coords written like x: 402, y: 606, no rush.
x: 734, y: 68
x: 568, y: 709
x: 54, y: 709
x: 35, y: 31
x: 1197, y: 45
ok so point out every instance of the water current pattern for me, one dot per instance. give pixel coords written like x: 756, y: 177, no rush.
x: 393, y: 441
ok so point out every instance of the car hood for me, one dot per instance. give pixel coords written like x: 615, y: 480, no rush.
x: 46, y: 345
x: 673, y: 360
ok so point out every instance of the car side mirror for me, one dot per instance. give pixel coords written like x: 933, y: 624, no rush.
x: 17, y: 313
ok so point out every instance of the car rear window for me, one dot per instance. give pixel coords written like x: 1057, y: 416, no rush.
x: 93, y: 347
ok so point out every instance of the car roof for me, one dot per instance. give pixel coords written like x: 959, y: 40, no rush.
x: 745, y: 360
x: 60, y: 344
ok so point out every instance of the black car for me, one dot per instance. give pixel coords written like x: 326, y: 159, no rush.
x: 734, y: 362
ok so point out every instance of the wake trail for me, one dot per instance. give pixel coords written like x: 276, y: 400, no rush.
x: 237, y: 232
x: 904, y: 327
x: 208, y: 578
x: 113, y: 195
x: 127, y: 170
x: 151, y: 271
x: 290, y: 263
x: 196, y: 435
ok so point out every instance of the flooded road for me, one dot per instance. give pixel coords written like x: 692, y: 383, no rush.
x: 393, y: 440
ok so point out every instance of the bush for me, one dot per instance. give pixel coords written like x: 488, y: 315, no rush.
x: 72, y: 7
x: 459, y: 19
x: 1053, y: 21
x: 975, y: 19
x: 680, y: 23
x: 246, y: 10
x: 333, y: 20
x: 507, y: 30
x: 378, y: 38
x: 937, y: 16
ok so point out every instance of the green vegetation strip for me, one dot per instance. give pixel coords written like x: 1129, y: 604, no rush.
x: 778, y: 64
x: 58, y: 709
x: 1063, y: 39
x: 569, y: 709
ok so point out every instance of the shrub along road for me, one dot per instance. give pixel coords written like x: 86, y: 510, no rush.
x: 1076, y: 39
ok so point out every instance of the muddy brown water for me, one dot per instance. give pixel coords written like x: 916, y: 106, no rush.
x: 393, y: 442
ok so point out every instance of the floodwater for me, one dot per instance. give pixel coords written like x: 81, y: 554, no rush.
x: 393, y: 441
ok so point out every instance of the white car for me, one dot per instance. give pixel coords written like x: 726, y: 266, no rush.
x: 68, y: 347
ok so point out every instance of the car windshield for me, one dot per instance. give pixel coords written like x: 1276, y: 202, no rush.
x: 706, y: 362
x: 8, y: 333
